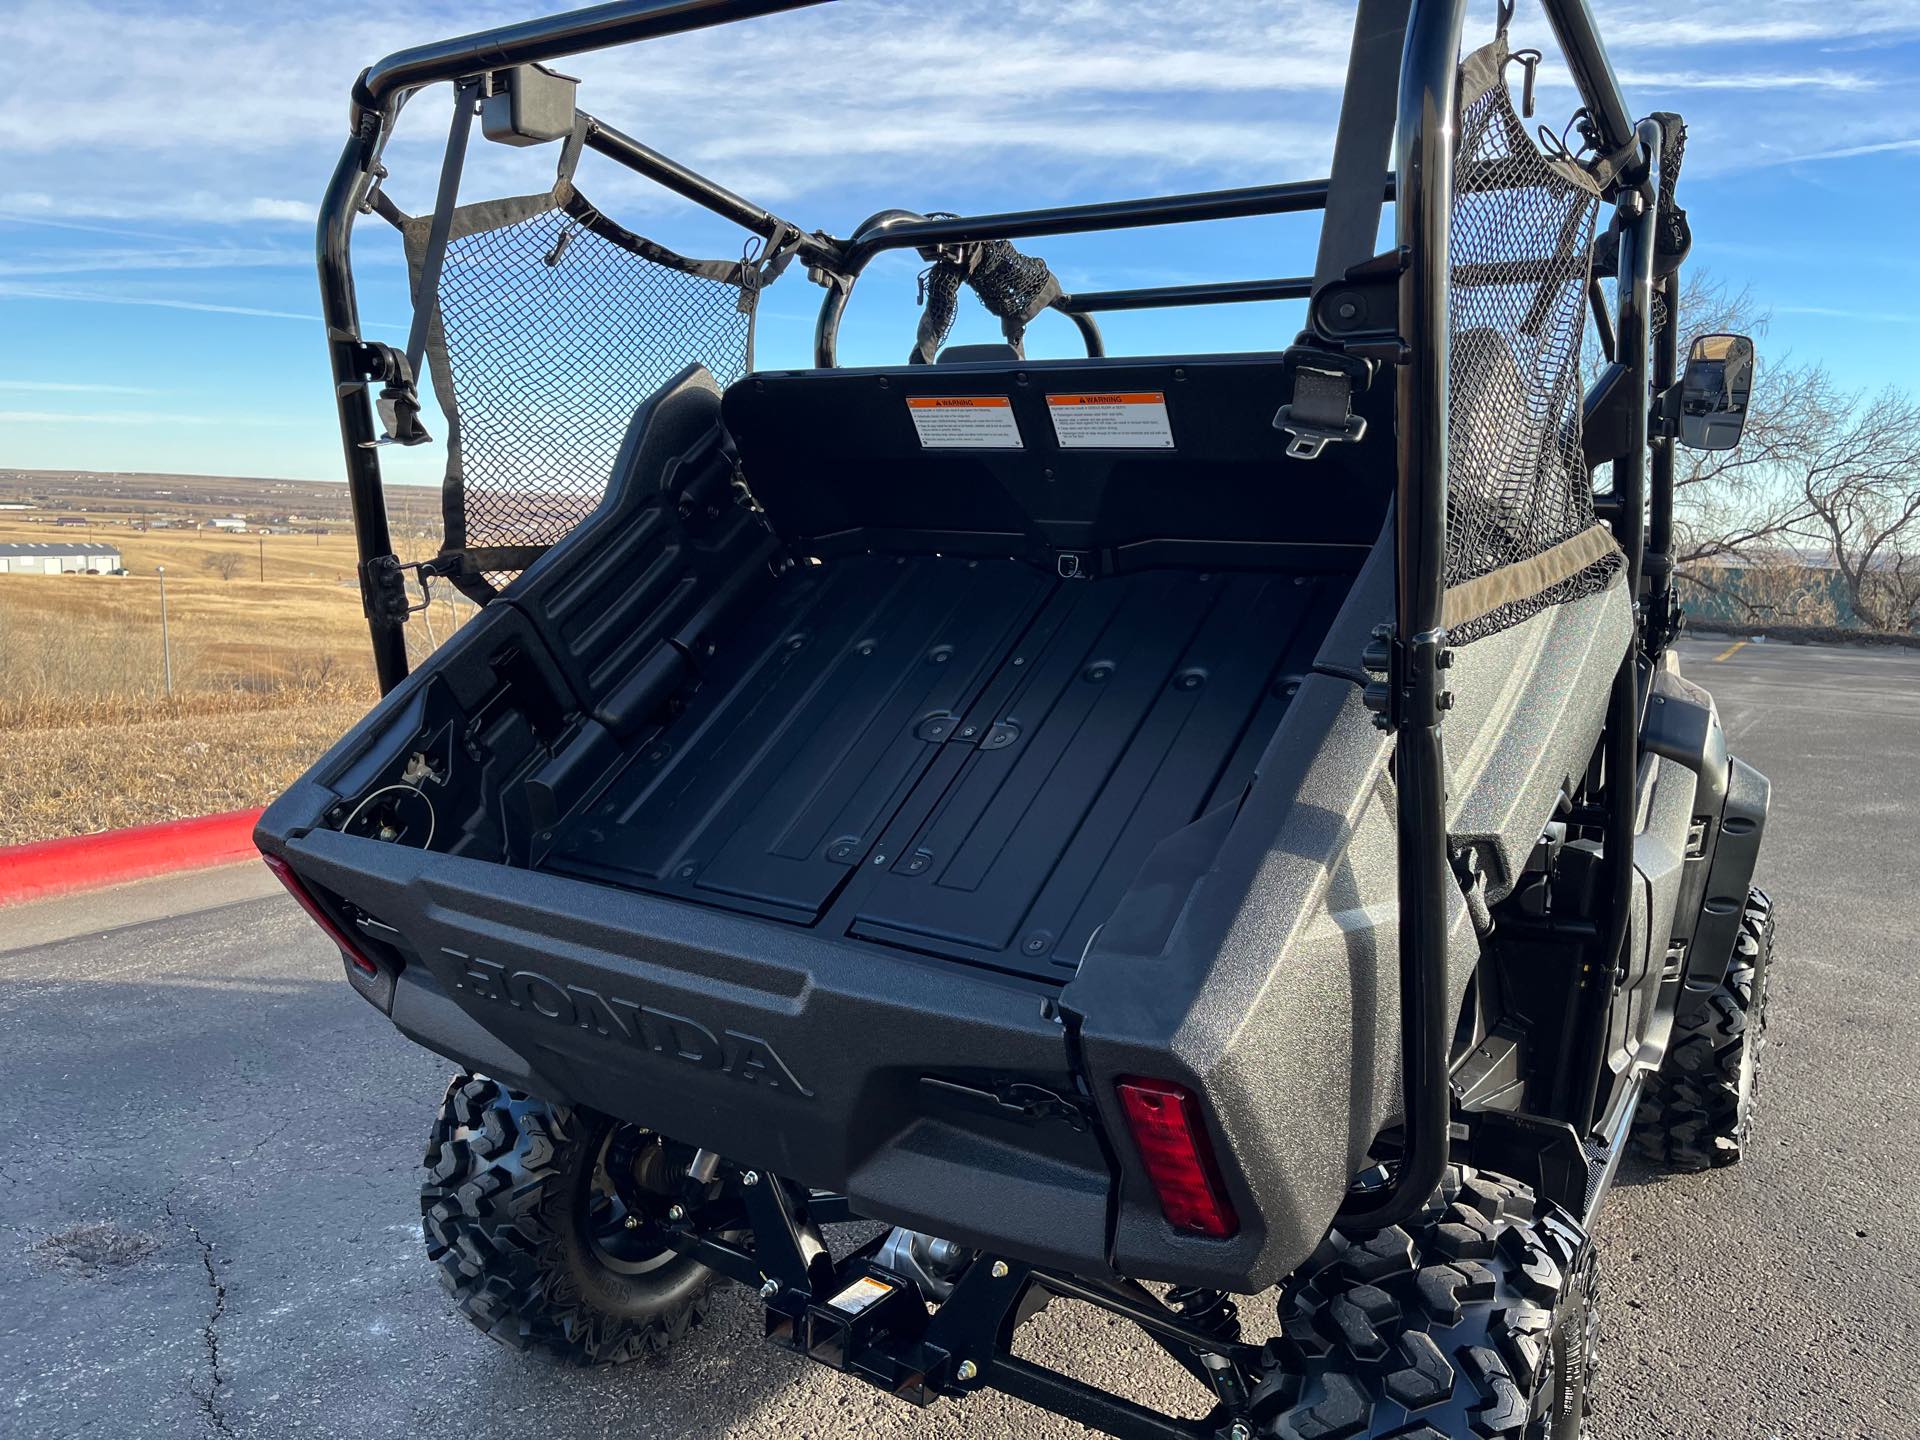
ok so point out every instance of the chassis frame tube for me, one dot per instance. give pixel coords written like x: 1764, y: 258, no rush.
x: 977, y: 1321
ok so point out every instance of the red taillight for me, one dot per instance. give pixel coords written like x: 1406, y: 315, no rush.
x: 1172, y: 1137
x: 284, y: 873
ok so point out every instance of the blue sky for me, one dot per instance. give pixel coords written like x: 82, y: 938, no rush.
x: 159, y: 165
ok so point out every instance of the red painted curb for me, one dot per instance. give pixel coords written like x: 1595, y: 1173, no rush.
x: 113, y: 857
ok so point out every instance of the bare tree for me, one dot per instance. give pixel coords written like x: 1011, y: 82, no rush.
x: 224, y: 563
x: 1860, y: 481
x: 1823, y: 475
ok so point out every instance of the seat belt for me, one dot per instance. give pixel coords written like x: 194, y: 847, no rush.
x: 399, y: 404
x: 1319, y: 408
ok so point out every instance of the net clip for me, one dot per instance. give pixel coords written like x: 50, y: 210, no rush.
x: 383, y: 589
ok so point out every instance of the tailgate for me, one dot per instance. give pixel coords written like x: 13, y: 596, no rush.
x: 918, y: 1089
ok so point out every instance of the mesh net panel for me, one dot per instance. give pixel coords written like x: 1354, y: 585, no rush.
x: 1520, y: 524
x: 1014, y: 286
x: 551, y: 331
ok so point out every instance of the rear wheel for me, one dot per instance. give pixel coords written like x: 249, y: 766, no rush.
x: 1477, y: 1319
x: 533, y: 1239
x: 1697, y: 1113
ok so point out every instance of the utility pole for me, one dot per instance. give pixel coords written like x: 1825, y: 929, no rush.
x: 166, y: 640
x: 263, y: 559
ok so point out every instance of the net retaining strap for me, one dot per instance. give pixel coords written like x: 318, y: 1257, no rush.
x: 1478, y: 598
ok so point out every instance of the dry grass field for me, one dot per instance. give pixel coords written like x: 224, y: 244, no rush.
x: 266, y: 674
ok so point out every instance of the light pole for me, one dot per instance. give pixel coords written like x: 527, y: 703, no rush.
x: 166, y: 641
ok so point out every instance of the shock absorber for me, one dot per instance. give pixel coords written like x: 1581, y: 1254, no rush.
x: 1210, y: 1310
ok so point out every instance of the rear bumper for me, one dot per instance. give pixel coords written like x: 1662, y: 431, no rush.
x: 834, y: 1067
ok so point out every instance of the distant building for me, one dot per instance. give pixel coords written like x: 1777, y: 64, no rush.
x: 228, y: 522
x: 69, y: 520
x: 57, y: 559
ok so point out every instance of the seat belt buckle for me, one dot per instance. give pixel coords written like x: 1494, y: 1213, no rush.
x: 398, y: 402
x: 1321, y: 385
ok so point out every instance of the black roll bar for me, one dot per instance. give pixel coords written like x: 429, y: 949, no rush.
x: 573, y: 33
x: 1593, y: 76
x: 1219, y: 292
x: 897, y: 233
x: 901, y: 230
x: 670, y: 173
x: 1637, y: 222
x: 352, y: 373
x: 1423, y: 216
x: 1424, y: 148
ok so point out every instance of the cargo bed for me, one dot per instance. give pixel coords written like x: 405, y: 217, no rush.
x: 963, y: 758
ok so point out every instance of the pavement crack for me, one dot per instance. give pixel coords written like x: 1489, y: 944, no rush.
x: 261, y: 1144
x: 209, y: 1402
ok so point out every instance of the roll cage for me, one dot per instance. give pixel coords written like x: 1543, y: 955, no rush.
x: 1396, y: 141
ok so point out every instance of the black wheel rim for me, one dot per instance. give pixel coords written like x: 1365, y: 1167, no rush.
x: 1574, y: 1358
x: 622, y: 1247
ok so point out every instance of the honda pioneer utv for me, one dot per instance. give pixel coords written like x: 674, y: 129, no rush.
x: 1142, y: 830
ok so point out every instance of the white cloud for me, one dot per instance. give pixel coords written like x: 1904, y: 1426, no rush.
x: 1841, y: 81
x: 10, y: 291
x: 159, y: 255
x: 1852, y: 152
x: 73, y: 387
x: 129, y: 417
x: 302, y: 211
x: 1878, y: 317
x: 100, y: 120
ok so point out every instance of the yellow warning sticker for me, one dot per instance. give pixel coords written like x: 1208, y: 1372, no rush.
x: 965, y: 422
x: 860, y: 1295
x: 1132, y: 420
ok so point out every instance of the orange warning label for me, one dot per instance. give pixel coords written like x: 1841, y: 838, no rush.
x: 964, y: 422
x: 1133, y: 420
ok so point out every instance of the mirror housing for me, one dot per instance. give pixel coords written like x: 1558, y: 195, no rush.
x: 527, y: 105
x: 1715, y: 392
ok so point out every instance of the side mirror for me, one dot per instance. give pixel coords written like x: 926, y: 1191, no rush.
x: 1715, y: 391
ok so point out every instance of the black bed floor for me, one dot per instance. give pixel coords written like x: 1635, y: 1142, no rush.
x: 965, y: 758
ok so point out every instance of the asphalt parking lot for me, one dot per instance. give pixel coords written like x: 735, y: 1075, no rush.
x: 208, y: 1178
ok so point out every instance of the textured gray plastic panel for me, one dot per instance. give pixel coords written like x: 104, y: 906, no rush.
x: 1530, y: 703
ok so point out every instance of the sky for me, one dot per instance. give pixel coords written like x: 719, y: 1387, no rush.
x: 160, y: 165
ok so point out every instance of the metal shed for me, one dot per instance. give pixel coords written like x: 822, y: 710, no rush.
x: 57, y: 558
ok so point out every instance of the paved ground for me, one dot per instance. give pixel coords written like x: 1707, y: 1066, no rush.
x: 208, y: 1224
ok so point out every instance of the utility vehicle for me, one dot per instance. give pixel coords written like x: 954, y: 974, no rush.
x: 1137, y: 830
